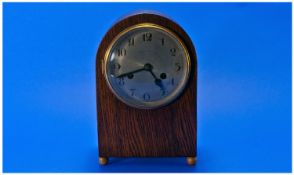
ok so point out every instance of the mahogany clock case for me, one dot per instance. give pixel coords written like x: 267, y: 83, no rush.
x: 124, y: 131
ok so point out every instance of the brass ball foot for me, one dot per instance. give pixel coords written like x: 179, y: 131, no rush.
x: 103, y: 160
x: 191, y: 160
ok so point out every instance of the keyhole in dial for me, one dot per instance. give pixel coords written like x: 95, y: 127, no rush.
x: 130, y: 76
x: 163, y: 76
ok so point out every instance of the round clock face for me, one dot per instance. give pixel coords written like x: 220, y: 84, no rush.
x: 147, y: 66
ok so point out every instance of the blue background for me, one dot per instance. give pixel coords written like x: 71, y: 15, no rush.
x: 244, y: 86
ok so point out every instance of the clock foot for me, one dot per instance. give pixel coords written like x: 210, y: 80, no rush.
x: 103, y: 160
x: 191, y: 160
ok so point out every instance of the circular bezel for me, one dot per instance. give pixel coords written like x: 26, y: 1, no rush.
x: 153, y: 104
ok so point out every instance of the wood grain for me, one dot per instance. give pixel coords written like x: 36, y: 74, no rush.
x: 124, y: 131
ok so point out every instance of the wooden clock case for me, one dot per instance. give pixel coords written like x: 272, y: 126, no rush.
x: 124, y: 131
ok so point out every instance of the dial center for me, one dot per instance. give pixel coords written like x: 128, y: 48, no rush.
x: 148, y: 66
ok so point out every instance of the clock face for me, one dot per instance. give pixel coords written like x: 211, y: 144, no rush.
x: 147, y: 66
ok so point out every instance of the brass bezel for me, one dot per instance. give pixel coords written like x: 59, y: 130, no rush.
x: 145, y: 25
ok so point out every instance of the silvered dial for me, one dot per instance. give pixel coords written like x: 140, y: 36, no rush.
x: 147, y: 66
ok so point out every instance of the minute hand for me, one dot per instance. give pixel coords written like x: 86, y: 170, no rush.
x: 131, y: 72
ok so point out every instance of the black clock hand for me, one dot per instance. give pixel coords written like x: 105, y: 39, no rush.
x: 131, y: 72
x: 157, y: 81
x: 146, y: 67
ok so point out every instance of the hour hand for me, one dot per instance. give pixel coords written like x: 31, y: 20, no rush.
x: 158, y: 82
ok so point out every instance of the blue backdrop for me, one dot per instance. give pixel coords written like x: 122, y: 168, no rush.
x: 244, y: 86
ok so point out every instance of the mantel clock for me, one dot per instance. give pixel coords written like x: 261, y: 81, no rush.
x: 146, y: 72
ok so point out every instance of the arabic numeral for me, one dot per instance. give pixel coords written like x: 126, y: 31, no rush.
x: 178, y: 67
x: 121, y: 81
x: 132, y: 92
x: 163, y: 92
x: 131, y: 42
x: 146, y: 97
x: 173, y: 51
x: 121, y: 52
x: 114, y: 67
x: 147, y: 36
x: 172, y: 81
